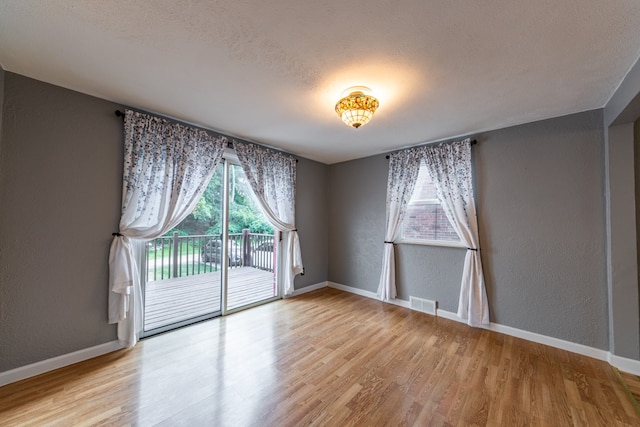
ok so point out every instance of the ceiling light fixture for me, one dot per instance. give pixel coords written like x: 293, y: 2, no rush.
x: 357, y: 108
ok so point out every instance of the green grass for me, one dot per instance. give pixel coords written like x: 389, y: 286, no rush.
x: 167, y: 250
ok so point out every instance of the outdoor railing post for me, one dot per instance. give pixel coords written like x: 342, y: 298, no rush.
x: 176, y: 245
x: 246, y: 247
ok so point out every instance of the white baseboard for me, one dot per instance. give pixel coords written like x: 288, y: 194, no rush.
x: 309, y: 288
x: 43, y: 366
x: 448, y: 315
x: 626, y: 365
x: 534, y: 337
x: 400, y: 303
x: 368, y: 294
x: 351, y: 290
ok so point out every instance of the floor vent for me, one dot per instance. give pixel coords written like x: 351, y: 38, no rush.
x: 423, y: 305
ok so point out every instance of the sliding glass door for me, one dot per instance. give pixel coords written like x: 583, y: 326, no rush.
x: 220, y: 259
x: 183, y: 280
x: 251, y: 275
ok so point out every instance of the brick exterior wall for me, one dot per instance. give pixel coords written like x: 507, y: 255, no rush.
x: 425, y: 220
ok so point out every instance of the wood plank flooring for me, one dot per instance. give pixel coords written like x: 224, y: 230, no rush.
x: 174, y: 300
x: 326, y: 358
x: 632, y: 384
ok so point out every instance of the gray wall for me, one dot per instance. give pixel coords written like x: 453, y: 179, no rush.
x: 357, y: 192
x: 636, y: 180
x: 539, y: 189
x: 60, y: 189
x: 541, y: 216
x: 311, y: 221
x: 622, y: 272
x: 621, y: 144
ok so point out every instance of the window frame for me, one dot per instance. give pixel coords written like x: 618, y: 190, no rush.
x: 425, y: 242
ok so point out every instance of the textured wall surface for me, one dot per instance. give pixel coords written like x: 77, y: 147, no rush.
x: 60, y: 189
x: 622, y: 138
x: 541, y: 214
x: 623, y: 143
x: 430, y: 272
x: 622, y: 272
x: 636, y: 163
x: 357, y: 192
x: 311, y: 221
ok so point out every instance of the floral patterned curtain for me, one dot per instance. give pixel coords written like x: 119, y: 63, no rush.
x: 167, y: 167
x: 403, y: 172
x: 449, y: 166
x: 272, y: 176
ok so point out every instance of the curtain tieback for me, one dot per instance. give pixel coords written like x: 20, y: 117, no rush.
x: 117, y: 234
x: 472, y: 249
x: 389, y: 242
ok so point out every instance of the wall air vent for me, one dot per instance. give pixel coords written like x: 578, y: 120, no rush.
x: 424, y: 305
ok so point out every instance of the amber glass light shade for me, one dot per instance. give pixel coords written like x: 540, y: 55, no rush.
x: 357, y: 108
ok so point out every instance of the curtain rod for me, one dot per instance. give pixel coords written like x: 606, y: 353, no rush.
x: 473, y: 142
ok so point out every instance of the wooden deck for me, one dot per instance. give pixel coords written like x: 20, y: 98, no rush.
x: 175, y: 300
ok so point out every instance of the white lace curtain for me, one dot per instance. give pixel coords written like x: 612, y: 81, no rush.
x: 449, y: 166
x: 403, y: 172
x: 167, y: 167
x: 272, y: 176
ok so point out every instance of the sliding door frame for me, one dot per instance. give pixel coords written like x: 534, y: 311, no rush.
x: 230, y: 158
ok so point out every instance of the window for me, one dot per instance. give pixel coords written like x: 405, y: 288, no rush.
x: 425, y: 221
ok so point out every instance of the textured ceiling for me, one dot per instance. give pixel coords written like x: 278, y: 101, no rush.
x: 272, y: 71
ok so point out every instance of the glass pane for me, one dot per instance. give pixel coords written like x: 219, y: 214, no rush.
x: 425, y: 219
x: 183, y: 274
x: 252, y: 251
x: 428, y: 222
x: 424, y: 189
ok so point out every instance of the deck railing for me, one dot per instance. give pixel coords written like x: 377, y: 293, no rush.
x: 179, y: 256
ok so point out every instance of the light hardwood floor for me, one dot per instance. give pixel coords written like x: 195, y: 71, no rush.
x: 326, y: 358
x: 632, y: 384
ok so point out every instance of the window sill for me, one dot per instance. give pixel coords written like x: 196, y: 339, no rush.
x: 431, y: 243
